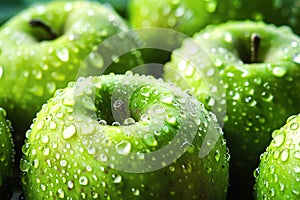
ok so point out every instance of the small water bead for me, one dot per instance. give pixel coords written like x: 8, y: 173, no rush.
x: 83, y: 180
x: 118, y: 104
x: 296, y: 58
x: 135, y: 191
x: 284, y: 155
x: 123, y: 148
x: 69, y: 132
x: 60, y: 193
x: 296, y: 154
x: 150, y: 140
x: 279, y: 71
x: 128, y: 121
x: 278, y: 140
x: 167, y: 98
x: 63, y: 54
x: 294, y: 126
x: 116, y: 178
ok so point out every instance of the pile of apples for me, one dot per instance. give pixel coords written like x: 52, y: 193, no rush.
x: 140, y: 99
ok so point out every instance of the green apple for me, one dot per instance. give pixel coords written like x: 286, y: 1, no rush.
x: 277, y: 176
x: 124, y: 137
x: 190, y: 16
x: 42, y: 48
x: 260, y: 67
x: 6, y: 155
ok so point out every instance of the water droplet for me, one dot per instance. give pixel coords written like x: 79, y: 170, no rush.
x: 294, y: 126
x: 63, y: 54
x: 211, y: 6
x: 296, y: 58
x: 68, y: 100
x: 171, y: 120
x: 1, y: 71
x: 135, y: 191
x: 268, y: 97
x: 46, y: 150
x: 278, y: 140
x: 24, y: 165
x: 63, y: 163
x: 128, y: 121
x: 116, y: 178
x: 70, y: 184
x: 296, y: 154
x: 284, y: 155
x: 217, y: 155
x: 83, y: 180
x: 256, y: 172
x: 123, y: 147
x: 45, y: 139
x: 150, y: 140
x: 60, y: 193
x: 279, y: 71
x: 167, y: 98
x: 69, y: 132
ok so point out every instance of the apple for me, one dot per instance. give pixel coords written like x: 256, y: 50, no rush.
x: 260, y: 67
x: 277, y: 176
x: 190, y: 16
x: 42, y: 49
x: 124, y: 136
x: 6, y: 155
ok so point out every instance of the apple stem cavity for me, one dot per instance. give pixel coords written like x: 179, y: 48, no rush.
x: 38, y: 23
x: 255, y: 44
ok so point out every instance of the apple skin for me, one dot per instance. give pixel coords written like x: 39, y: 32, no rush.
x: 190, y: 16
x: 278, y: 172
x: 259, y: 95
x: 34, y: 65
x: 7, y: 153
x: 64, y: 162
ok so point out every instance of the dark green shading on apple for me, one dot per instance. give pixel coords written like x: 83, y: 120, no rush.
x: 190, y: 16
x: 260, y: 67
x: 78, y: 146
x: 7, y: 153
x: 41, y: 50
x: 277, y: 176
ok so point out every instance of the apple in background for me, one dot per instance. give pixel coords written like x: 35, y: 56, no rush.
x: 277, y: 176
x: 124, y: 137
x: 260, y: 67
x: 42, y: 48
x: 190, y: 16
x: 7, y: 154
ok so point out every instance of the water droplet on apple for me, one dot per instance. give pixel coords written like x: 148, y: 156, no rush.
x: 284, y: 155
x: 1, y: 71
x: 123, y: 147
x: 83, y: 180
x: 128, y: 121
x: 296, y: 154
x: 296, y: 58
x: 278, y: 140
x: 279, y: 71
x: 150, y: 140
x: 135, y: 191
x: 63, y: 54
x: 211, y: 6
x: 167, y: 98
x: 69, y: 131
x: 116, y: 178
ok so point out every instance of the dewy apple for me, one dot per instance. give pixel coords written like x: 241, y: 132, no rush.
x: 260, y: 68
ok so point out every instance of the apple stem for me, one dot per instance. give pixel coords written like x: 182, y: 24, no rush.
x: 40, y: 24
x: 255, y: 44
